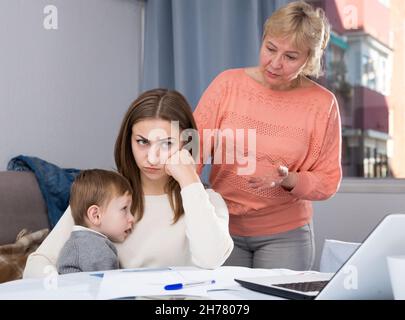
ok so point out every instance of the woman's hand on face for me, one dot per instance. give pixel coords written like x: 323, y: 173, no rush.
x: 282, y: 178
x: 181, y: 167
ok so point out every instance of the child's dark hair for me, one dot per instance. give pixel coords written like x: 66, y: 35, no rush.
x: 95, y: 187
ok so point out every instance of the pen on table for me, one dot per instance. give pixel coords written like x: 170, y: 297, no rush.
x: 178, y: 286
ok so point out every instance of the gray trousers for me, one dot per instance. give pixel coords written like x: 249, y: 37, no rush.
x: 293, y: 250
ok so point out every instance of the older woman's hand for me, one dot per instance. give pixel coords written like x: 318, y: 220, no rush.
x: 182, y: 168
x: 282, y: 178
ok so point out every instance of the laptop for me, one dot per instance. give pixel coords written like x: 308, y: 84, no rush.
x: 363, y: 276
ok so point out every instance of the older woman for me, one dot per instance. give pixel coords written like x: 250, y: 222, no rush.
x: 298, y: 141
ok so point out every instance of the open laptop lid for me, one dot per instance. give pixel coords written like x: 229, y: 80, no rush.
x: 363, y: 276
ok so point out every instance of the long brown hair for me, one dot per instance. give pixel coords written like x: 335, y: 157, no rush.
x: 153, y: 104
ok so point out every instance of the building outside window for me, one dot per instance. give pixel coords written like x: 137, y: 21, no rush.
x: 359, y: 70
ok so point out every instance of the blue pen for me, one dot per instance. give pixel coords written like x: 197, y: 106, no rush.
x: 178, y: 286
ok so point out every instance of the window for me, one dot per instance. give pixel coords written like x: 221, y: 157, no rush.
x: 369, y: 77
x: 386, y: 3
x: 375, y: 164
x: 383, y: 79
x: 370, y: 145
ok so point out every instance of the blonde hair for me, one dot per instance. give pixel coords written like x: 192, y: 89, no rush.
x: 95, y: 187
x: 307, y: 27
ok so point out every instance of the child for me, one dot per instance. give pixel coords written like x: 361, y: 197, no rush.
x: 100, y: 203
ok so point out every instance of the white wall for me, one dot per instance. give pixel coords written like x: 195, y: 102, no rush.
x: 356, y: 210
x: 63, y: 92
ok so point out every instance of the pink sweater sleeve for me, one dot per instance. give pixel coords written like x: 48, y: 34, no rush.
x: 208, y: 116
x: 322, y: 180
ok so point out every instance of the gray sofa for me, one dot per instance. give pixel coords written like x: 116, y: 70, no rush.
x: 21, y: 205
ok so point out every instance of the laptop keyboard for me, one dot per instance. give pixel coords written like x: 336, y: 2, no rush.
x: 304, y: 286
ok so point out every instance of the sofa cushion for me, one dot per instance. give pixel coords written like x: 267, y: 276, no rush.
x: 54, y: 183
x: 21, y: 205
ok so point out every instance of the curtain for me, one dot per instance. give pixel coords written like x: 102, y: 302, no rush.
x: 188, y: 42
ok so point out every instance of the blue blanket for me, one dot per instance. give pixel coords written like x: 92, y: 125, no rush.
x: 53, y: 181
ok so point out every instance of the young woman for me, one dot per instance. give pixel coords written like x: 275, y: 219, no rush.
x: 178, y: 221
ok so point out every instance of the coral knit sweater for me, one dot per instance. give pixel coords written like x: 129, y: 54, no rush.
x: 299, y: 128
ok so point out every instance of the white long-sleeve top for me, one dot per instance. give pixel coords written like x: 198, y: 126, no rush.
x: 199, y: 238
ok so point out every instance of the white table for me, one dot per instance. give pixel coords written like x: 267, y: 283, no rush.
x: 85, y: 286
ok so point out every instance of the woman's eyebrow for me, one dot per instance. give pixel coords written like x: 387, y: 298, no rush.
x: 168, y: 138
x: 271, y: 43
x: 294, y: 52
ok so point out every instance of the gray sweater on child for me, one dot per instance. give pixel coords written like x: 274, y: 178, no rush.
x: 87, y: 251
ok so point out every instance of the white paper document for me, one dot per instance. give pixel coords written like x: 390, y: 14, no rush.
x: 146, y: 283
